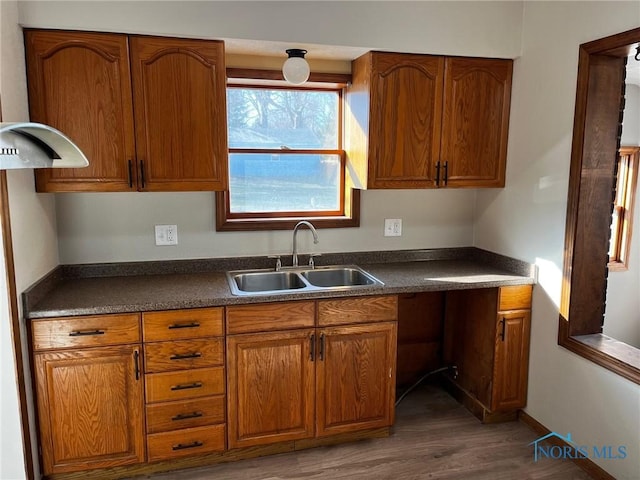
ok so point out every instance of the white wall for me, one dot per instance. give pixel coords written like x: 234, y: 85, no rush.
x: 622, y: 315
x: 34, y: 240
x: 526, y: 220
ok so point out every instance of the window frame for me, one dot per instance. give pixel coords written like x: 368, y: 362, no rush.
x: 348, y: 214
x: 626, y: 185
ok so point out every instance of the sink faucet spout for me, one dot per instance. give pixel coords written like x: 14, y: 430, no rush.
x: 295, y: 234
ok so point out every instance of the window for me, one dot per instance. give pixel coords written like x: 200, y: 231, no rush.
x: 621, y: 220
x: 286, y: 159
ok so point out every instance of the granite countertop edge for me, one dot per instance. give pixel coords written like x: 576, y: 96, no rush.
x: 80, y: 290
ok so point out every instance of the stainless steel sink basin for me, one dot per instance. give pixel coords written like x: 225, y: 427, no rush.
x: 304, y: 279
x: 338, y: 277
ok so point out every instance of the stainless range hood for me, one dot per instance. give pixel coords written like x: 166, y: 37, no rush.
x: 35, y: 145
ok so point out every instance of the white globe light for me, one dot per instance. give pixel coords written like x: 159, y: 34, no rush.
x: 296, y: 70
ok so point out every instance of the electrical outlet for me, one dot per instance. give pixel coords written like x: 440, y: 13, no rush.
x: 392, y: 227
x: 166, y: 234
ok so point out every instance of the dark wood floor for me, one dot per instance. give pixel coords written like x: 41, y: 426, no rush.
x: 434, y: 438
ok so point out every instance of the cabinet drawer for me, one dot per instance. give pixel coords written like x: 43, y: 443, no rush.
x: 183, y: 354
x: 515, y: 297
x: 182, y: 324
x: 357, y: 310
x: 90, y: 331
x: 164, y: 417
x: 201, y: 382
x: 186, y: 442
x: 270, y: 316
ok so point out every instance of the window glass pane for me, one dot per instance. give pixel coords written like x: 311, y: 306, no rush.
x: 265, y: 182
x: 276, y: 118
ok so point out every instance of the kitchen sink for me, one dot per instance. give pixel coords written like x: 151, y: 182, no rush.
x: 303, y: 279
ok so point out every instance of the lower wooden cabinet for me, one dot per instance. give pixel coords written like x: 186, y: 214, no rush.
x: 90, y: 404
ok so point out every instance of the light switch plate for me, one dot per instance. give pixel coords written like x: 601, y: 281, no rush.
x: 392, y: 227
x: 166, y: 234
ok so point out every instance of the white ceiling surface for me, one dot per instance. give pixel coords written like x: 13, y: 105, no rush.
x: 278, y: 49
x: 633, y: 66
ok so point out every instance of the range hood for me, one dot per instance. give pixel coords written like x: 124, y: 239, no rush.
x: 35, y: 145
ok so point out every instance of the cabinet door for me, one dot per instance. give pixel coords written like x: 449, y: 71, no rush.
x: 271, y: 382
x: 511, y: 361
x: 180, y: 111
x: 79, y: 83
x: 477, y: 95
x: 356, y: 369
x: 90, y: 404
x: 406, y: 109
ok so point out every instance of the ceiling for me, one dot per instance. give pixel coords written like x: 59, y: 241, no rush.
x: 633, y: 67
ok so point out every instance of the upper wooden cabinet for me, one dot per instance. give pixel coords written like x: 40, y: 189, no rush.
x: 420, y: 121
x: 86, y: 84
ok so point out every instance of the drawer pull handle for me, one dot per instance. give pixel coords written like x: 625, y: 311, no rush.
x: 184, y: 356
x: 86, y: 333
x: 184, y: 325
x: 182, y: 446
x: 186, y: 416
x: 186, y: 386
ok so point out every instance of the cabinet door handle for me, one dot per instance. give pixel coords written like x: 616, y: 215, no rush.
x: 136, y: 361
x: 185, y: 356
x: 437, y: 173
x: 86, y: 333
x: 182, y: 446
x: 130, y: 174
x: 142, y: 173
x: 183, y: 325
x: 322, y: 347
x: 504, y: 326
x: 186, y: 386
x: 312, y: 343
x: 186, y: 416
x: 446, y: 172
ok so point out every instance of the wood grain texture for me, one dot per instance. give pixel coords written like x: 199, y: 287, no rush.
x: 516, y: 297
x: 180, y: 113
x: 197, y: 412
x: 357, y: 310
x: 265, y: 317
x: 511, y: 361
x: 87, y: 331
x: 356, y: 378
x: 183, y: 324
x: 90, y: 408
x: 200, y: 382
x: 185, y: 442
x: 183, y: 354
x: 475, y: 124
x: 80, y: 84
x: 271, y: 385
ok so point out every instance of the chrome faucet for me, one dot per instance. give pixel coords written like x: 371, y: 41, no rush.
x: 295, y: 232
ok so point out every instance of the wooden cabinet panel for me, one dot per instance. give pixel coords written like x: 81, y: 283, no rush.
x: 270, y: 316
x: 477, y: 96
x: 179, y: 94
x: 183, y: 355
x: 356, y: 378
x: 90, y: 405
x: 80, y: 84
x: 515, y: 298
x: 201, y: 382
x: 89, y: 331
x: 357, y: 310
x: 511, y: 364
x: 271, y: 387
x: 182, y: 324
x: 167, y: 416
x: 185, y: 442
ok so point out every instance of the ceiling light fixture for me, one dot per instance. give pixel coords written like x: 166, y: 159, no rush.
x: 295, y: 68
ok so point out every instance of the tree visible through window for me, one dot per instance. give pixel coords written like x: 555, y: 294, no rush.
x: 285, y: 152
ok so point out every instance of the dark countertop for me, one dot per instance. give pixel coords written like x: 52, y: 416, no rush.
x: 77, y: 290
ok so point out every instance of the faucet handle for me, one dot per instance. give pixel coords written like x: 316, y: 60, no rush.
x: 312, y: 263
x: 278, y: 262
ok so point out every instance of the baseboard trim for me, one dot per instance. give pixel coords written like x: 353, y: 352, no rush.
x: 593, y: 469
